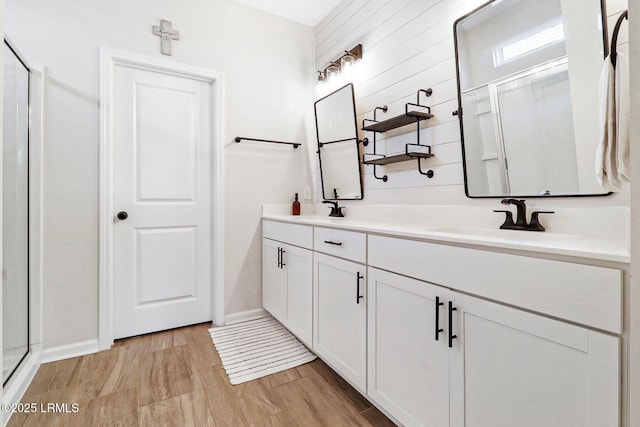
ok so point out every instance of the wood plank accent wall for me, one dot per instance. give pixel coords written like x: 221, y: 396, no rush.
x: 408, y: 45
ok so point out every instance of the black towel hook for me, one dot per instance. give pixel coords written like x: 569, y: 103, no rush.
x: 614, y: 37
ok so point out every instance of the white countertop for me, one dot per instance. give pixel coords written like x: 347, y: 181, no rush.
x: 591, y: 246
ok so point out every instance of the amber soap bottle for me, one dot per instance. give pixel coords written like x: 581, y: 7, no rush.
x: 296, y: 206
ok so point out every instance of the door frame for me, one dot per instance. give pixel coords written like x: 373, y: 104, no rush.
x: 109, y: 58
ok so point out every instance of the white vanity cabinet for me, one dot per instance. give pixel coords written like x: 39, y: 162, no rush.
x: 491, y: 365
x: 408, y: 370
x: 486, y: 365
x: 442, y: 335
x: 340, y: 307
x: 287, y: 277
x: 513, y: 368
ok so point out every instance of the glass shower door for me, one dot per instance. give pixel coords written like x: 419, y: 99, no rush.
x: 15, y: 214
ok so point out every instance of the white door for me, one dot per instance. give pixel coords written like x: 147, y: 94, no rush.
x: 162, y: 184
x: 340, y: 322
x: 513, y: 368
x: 408, y: 357
x: 299, y: 266
x: 274, y: 288
x: 287, y: 273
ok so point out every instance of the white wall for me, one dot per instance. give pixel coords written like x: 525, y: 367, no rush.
x: 267, y: 63
x: 407, y: 45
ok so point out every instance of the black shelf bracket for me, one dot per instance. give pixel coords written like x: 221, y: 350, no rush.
x: 242, y: 138
x: 384, y: 109
x: 410, y: 116
x: 364, y: 141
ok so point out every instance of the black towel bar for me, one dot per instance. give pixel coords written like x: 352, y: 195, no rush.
x: 242, y: 138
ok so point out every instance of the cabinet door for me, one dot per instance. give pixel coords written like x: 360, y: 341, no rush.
x: 299, y: 272
x: 274, y: 290
x: 340, y: 334
x: 408, y: 370
x: 513, y: 368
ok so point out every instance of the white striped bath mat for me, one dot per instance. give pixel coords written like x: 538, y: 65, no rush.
x: 257, y: 348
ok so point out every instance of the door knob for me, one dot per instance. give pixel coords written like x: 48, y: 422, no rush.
x: 122, y: 215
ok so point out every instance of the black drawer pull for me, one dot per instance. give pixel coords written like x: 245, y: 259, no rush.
x: 333, y: 243
x: 279, y: 257
x: 438, y: 328
x: 282, y: 252
x: 358, y: 296
x: 451, y: 335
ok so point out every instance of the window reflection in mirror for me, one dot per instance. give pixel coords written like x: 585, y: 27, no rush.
x: 338, y: 145
x: 528, y: 76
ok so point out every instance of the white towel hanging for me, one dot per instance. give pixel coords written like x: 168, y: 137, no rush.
x: 606, y: 157
x: 612, y: 154
x: 623, y: 104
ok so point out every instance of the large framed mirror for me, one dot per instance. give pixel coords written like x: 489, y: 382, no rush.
x: 528, y: 77
x: 337, y: 133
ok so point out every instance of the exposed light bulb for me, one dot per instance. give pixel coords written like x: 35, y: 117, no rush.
x: 332, y: 72
x: 320, y: 84
x: 346, y: 66
x: 333, y: 76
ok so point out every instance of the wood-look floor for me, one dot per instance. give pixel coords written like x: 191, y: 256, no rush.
x: 175, y: 378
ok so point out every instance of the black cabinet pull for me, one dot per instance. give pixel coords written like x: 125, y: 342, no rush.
x: 451, y: 335
x: 282, y: 252
x: 333, y: 243
x: 358, y: 296
x: 279, y: 257
x: 438, y: 328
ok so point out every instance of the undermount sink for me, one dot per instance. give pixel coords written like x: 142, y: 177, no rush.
x: 505, y: 234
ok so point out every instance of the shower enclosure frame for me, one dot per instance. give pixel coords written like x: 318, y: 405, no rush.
x: 16, y: 368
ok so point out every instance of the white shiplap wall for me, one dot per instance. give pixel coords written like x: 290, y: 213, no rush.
x: 408, y: 45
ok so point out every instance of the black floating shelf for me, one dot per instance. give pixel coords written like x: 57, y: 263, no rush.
x: 397, y: 158
x: 398, y: 121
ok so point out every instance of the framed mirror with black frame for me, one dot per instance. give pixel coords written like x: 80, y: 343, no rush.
x: 528, y: 76
x: 338, y: 150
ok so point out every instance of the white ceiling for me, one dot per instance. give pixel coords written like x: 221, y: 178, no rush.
x: 308, y: 12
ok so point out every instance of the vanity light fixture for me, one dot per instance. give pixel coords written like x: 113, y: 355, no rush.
x: 343, y: 65
x: 346, y: 64
x: 332, y: 73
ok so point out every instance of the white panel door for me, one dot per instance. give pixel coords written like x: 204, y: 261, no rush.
x: 299, y: 266
x: 340, y: 317
x: 274, y: 286
x: 287, y: 273
x: 162, y: 170
x: 408, y: 353
x: 513, y: 368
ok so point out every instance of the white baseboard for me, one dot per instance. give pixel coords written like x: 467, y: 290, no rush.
x: 15, y: 389
x: 68, y: 351
x: 243, y: 316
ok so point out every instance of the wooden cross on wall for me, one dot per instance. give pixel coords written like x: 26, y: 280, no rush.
x: 166, y: 34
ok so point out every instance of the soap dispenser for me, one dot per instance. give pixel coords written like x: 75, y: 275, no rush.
x: 296, y: 206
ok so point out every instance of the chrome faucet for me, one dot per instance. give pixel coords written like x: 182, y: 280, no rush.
x: 336, y: 210
x: 521, y: 217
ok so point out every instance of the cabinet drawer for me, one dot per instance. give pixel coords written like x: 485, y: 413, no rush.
x: 345, y: 244
x: 585, y: 294
x: 294, y: 234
